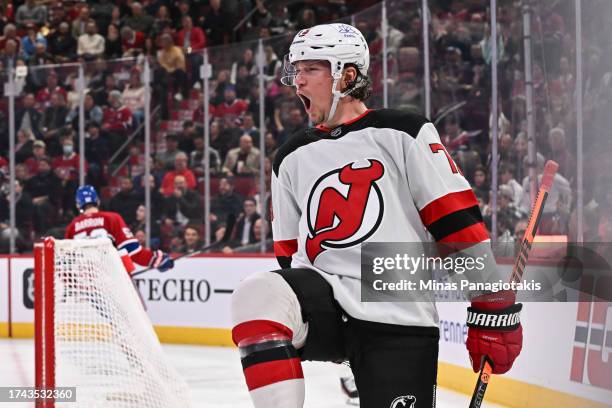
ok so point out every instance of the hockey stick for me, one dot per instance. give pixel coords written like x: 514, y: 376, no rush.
x: 550, y: 169
x: 229, y: 226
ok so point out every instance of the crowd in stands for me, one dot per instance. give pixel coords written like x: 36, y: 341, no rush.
x: 112, y: 39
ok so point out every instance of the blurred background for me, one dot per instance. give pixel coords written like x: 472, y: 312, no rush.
x: 174, y: 110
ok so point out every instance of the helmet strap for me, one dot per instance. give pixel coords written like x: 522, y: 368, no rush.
x: 337, y: 95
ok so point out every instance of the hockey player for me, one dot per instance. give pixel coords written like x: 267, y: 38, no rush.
x: 93, y: 223
x: 360, y: 175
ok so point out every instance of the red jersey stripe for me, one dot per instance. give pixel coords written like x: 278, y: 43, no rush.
x: 285, y: 248
x: 447, y: 204
x: 475, y: 233
x: 272, y: 372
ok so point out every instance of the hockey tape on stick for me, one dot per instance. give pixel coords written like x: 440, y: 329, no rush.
x: 550, y: 169
x: 229, y: 226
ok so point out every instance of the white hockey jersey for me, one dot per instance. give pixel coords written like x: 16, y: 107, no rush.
x: 383, y: 177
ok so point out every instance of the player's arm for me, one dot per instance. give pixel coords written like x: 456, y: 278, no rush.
x: 449, y: 210
x: 124, y: 240
x: 285, y: 218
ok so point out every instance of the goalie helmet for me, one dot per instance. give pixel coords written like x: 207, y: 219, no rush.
x: 339, y: 44
x: 86, y: 195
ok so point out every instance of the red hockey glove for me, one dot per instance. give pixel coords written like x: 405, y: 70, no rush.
x: 494, y: 330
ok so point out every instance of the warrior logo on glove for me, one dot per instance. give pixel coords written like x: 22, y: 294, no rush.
x: 346, y: 206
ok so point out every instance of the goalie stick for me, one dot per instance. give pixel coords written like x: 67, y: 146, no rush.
x: 550, y: 169
x: 229, y: 226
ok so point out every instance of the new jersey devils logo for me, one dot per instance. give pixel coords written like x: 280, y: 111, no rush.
x: 406, y: 401
x: 346, y: 206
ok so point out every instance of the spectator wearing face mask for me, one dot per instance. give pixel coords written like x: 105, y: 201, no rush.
x: 66, y: 168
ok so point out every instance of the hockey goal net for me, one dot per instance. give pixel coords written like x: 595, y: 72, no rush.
x: 93, y: 333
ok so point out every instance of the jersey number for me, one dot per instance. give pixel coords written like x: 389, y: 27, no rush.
x: 94, y: 233
x: 436, y: 147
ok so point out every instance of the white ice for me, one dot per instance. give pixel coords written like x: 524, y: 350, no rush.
x: 214, y: 375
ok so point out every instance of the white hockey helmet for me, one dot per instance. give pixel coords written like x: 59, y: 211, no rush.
x: 339, y: 44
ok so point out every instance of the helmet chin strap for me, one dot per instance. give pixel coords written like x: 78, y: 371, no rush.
x: 337, y: 95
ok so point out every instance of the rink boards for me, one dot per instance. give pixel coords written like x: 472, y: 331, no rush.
x: 190, y: 304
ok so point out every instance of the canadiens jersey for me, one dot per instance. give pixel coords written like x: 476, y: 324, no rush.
x: 110, y: 225
x: 383, y: 177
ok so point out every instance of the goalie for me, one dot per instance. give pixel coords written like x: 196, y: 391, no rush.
x: 93, y: 223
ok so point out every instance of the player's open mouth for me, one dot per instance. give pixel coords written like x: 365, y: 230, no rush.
x: 305, y: 101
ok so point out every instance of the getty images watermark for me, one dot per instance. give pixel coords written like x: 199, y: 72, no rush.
x: 458, y: 264
x: 453, y: 272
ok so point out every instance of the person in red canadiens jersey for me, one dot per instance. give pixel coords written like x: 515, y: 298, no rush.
x: 93, y: 223
x: 359, y: 176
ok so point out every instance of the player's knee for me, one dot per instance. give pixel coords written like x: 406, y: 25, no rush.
x: 264, y: 303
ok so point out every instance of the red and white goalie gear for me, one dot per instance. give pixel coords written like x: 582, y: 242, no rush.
x: 268, y: 334
x: 494, y: 331
x: 110, y: 224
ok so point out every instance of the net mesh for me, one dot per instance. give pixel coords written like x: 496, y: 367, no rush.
x: 104, y: 341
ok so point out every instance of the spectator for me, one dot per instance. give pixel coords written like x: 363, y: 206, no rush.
x: 162, y: 21
x: 38, y: 152
x: 248, y: 127
x: 9, y: 57
x: 102, y: 13
x: 217, y: 24
x: 91, y: 44
x: 54, y: 121
x: 132, y: 42
x: 79, y: 24
x: 133, y: 97
x: 101, y: 94
x: 560, y: 190
x: 157, y: 199
x: 506, y: 172
x: 24, y: 146
x: 66, y: 167
x: 45, y: 188
x: 243, y: 160
x: 113, y: 48
x: 93, y: 113
x: 191, y: 239
x: 10, y: 33
x: 226, y: 202
x: 126, y: 201
x: 139, y: 21
x: 196, y: 158
x: 96, y: 154
x: 29, y: 41
x: 560, y: 153
x: 43, y: 96
x: 180, y: 169
x: 230, y: 105
x: 172, y: 61
x: 24, y: 216
x: 183, y: 205
x: 167, y: 157
x: 31, y: 13
x: 273, y: 65
x: 28, y: 118
x: 117, y: 120
x: 140, y: 224
x: 480, y: 183
x: 190, y: 130
x: 192, y: 40
x: 243, y: 233
x: 295, y: 123
x: 259, y: 226
x: 42, y: 57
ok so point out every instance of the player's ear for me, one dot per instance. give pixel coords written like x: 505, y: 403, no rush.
x: 348, y: 77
